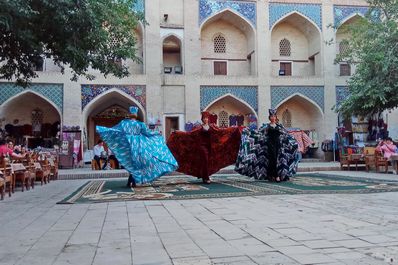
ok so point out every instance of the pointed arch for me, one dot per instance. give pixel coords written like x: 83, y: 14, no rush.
x: 235, y: 98
x: 94, y: 103
x: 30, y: 91
x: 223, y: 11
x: 296, y: 13
x: 348, y: 18
x: 172, y: 35
x: 313, y: 103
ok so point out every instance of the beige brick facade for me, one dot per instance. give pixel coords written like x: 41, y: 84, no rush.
x: 180, y: 35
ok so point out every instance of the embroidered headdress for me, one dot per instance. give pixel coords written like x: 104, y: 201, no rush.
x: 272, y: 112
x: 134, y: 110
x: 205, y: 114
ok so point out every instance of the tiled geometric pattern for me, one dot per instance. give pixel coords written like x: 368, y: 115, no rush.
x: 342, y: 92
x: 311, y: 11
x: 280, y: 93
x: 246, y: 93
x: 139, y: 6
x: 89, y: 92
x: 208, y: 8
x: 52, y: 92
x: 342, y: 12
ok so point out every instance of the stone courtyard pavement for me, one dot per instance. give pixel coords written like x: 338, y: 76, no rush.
x: 288, y: 229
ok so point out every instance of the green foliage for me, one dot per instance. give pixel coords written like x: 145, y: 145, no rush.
x: 81, y: 34
x: 373, y: 48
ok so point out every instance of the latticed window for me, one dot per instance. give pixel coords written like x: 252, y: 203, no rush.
x: 37, y: 121
x: 219, y: 44
x: 345, y: 69
x: 223, y: 119
x: 287, y: 119
x: 343, y: 47
x: 284, y: 48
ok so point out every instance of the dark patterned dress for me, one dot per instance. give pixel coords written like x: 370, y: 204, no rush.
x: 267, y: 153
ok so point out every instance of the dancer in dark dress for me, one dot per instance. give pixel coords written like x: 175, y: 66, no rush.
x: 269, y: 153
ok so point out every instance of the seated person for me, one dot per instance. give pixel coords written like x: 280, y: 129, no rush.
x: 98, y: 154
x: 387, y: 147
x: 6, y: 150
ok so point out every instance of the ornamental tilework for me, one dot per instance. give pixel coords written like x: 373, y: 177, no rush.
x: 280, y: 93
x: 89, y: 92
x: 246, y: 93
x: 311, y: 11
x: 341, y: 93
x: 208, y: 8
x: 51, y: 92
x: 343, y: 12
x: 139, y: 6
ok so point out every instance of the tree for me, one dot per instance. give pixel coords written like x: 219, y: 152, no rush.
x: 373, y: 48
x: 82, y: 34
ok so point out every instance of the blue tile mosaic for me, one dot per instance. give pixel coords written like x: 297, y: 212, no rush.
x: 280, y: 93
x: 89, y: 92
x: 52, y: 92
x: 139, y: 6
x: 208, y: 8
x: 342, y: 92
x: 343, y: 12
x: 248, y: 94
x: 312, y: 11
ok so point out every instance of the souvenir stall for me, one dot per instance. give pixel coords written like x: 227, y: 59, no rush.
x: 224, y: 120
x: 357, y: 133
x: 307, y: 141
x: 71, y: 149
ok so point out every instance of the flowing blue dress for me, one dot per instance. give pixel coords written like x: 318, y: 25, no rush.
x: 143, y: 153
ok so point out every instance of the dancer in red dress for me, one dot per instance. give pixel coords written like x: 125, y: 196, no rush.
x: 205, y: 150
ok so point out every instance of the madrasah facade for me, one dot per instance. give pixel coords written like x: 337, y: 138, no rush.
x: 235, y: 59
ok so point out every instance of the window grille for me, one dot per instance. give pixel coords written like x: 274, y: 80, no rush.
x: 219, y: 44
x: 284, y: 48
x: 223, y: 119
x: 287, y: 119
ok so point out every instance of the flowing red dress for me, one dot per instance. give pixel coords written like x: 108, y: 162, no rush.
x: 201, y: 153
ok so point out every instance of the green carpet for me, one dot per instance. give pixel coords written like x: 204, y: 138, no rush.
x: 184, y: 187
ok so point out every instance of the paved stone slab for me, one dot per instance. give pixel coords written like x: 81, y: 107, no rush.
x: 349, y: 229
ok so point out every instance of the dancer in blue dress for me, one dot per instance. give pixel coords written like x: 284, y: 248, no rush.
x: 143, y: 153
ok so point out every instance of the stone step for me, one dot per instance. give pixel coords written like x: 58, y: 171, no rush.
x: 87, y: 173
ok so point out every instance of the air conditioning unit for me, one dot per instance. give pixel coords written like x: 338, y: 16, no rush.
x: 168, y: 70
x: 178, y: 69
x: 281, y: 72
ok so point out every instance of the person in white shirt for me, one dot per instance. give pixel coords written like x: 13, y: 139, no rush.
x: 98, y: 151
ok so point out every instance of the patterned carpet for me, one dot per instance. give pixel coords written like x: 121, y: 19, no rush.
x: 185, y: 187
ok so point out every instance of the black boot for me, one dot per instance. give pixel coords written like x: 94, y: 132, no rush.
x: 131, y: 181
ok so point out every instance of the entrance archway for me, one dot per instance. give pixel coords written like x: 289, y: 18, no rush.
x: 107, y: 110
x: 299, y: 112
x: 232, y: 111
x: 31, y: 120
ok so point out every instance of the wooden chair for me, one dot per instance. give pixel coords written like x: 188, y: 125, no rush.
x: 380, y: 161
x: 2, y: 186
x: 53, y: 161
x: 94, y: 165
x: 7, y: 176
x: 369, y: 157
x: 344, y: 160
x: 43, y: 171
x: 22, y: 175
